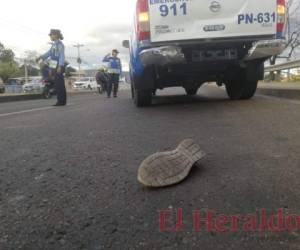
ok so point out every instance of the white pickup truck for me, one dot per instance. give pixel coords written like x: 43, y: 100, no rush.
x: 189, y: 42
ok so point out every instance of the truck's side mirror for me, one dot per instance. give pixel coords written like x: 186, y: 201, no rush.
x: 126, y: 44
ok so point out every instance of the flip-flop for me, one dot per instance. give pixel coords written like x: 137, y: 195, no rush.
x: 168, y: 168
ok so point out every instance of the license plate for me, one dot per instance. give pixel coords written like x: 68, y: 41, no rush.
x: 212, y: 55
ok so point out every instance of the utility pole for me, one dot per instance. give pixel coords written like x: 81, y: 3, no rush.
x: 79, y: 60
x: 26, y: 71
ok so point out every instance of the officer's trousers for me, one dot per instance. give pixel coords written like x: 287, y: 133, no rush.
x: 113, y: 84
x: 60, y: 89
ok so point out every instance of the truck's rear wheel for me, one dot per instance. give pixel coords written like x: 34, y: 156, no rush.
x: 142, y: 98
x: 249, y: 90
x: 132, y: 91
x: 191, y: 92
x: 240, y: 88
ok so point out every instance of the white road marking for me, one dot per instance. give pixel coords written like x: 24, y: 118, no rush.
x: 25, y: 111
x: 32, y: 110
x: 275, y: 98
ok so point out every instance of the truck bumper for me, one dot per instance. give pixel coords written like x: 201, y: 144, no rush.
x: 265, y: 49
x: 161, y: 56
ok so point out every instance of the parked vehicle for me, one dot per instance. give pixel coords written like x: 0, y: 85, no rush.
x: 188, y: 43
x: 85, y: 83
x: 14, y: 85
x: 2, y: 86
x: 35, y: 85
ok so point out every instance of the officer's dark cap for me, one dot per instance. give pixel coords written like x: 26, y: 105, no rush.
x: 57, y: 33
x: 115, y: 51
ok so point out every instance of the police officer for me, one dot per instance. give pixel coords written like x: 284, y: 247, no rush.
x: 56, y: 61
x: 114, y: 71
x: 102, y: 80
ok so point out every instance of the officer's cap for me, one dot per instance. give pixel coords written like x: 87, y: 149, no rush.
x: 57, y: 33
x: 115, y: 51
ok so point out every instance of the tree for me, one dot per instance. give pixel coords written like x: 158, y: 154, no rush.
x: 6, y: 55
x: 32, y: 71
x: 8, y: 66
x: 28, y: 63
x: 293, y: 33
x: 9, y: 69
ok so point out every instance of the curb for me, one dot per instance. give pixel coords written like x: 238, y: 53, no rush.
x: 15, y: 98
x: 291, y: 93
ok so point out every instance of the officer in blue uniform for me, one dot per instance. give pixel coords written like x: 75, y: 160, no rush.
x: 114, y: 72
x: 56, y: 60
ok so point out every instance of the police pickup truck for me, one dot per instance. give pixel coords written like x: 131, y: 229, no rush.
x: 189, y: 42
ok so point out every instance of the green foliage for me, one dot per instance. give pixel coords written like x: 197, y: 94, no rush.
x: 8, y: 66
x: 32, y: 71
x: 9, y: 69
x: 6, y: 55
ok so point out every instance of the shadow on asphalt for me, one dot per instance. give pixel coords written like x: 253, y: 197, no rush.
x: 184, y: 99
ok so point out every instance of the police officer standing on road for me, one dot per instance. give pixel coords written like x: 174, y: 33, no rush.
x: 114, y: 71
x: 56, y: 56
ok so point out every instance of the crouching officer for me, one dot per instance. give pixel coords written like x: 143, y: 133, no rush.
x: 56, y: 61
x: 114, y: 72
x: 102, y: 79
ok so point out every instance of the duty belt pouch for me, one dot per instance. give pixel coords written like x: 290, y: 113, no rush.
x: 53, y: 66
x: 52, y: 69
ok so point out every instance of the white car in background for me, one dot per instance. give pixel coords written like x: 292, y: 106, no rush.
x: 85, y: 83
x: 35, y: 85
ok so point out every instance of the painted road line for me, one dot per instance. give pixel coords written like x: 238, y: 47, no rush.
x: 33, y: 110
x: 275, y: 98
x: 25, y: 111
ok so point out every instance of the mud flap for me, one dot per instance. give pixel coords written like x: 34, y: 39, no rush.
x: 255, y: 71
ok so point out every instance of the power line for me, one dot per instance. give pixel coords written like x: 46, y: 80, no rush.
x: 24, y: 29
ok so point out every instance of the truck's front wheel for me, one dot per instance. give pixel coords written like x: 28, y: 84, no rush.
x: 142, y: 98
x: 142, y: 87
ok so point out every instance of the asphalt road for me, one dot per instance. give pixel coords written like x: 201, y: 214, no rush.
x: 68, y: 175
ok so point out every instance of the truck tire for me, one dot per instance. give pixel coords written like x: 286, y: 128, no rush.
x: 250, y: 89
x: 142, y: 98
x: 191, y: 92
x: 240, y: 88
x: 132, y: 91
x: 142, y: 87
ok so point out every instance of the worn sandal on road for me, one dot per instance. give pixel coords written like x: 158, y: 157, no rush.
x: 168, y: 168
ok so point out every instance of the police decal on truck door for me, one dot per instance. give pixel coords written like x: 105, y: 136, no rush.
x: 168, y: 8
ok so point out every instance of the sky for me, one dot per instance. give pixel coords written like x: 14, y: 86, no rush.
x: 98, y: 24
